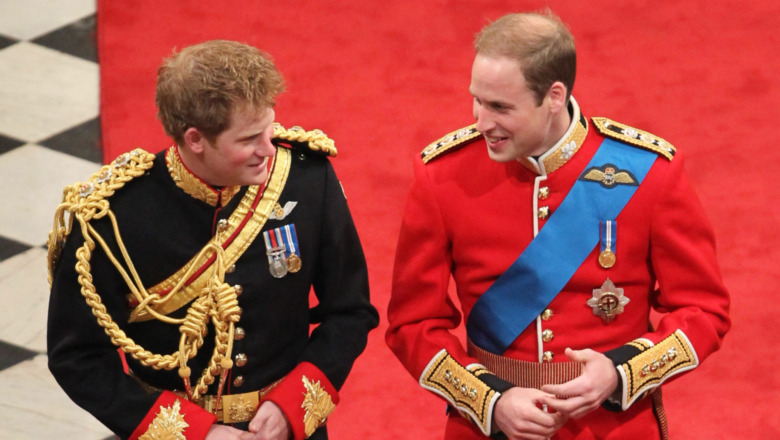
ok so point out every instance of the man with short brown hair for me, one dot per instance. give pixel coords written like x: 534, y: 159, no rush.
x: 560, y: 246
x: 196, y: 264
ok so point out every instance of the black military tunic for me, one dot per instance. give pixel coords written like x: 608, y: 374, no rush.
x: 163, y: 224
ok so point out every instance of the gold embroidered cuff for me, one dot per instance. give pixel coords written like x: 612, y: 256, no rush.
x: 653, y: 366
x: 461, y: 387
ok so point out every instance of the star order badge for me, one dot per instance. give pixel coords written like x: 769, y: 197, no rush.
x: 608, y: 301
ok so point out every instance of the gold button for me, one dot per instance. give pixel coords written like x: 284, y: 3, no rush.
x: 241, y: 360
x: 547, y: 335
x: 547, y: 356
x: 239, y: 289
x: 547, y: 314
x: 238, y: 381
x: 544, y: 211
x: 231, y: 269
x: 239, y: 333
x: 544, y: 192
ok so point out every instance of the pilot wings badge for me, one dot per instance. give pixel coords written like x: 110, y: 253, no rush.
x: 609, y: 176
x: 279, y: 212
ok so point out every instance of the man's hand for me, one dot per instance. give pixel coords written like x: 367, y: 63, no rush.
x: 519, y: 416
x: 268, y: 424
x: 223, y: 432
x: 586, y: 393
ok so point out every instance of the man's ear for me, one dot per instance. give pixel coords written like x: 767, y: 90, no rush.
x: 557, y: 96
x: 194, y: 140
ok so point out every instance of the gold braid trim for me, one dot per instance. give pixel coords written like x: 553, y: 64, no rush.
x: 217, y: 301
x: 462, y: 388
x: 317, y: 140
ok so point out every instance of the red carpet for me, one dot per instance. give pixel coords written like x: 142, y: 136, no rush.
x: 385, y: 78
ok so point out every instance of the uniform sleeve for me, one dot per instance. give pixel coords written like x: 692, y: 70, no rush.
x: 690, y: 294
x: 421, y: 315
x: 343, y: 315
x: 86, y: 364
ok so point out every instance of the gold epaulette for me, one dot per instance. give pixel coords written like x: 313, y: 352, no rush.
x: 633, y: 136
x: 88, y: 200
x: 450, y: 142
x: 315, y: 139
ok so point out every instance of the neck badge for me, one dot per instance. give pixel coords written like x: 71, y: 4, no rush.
x: 608, y: 301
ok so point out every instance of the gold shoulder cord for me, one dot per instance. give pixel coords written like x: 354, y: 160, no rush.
x: 317, y: 140
x: 218, y: 302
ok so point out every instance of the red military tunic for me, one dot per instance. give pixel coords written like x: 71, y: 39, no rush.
x: 470, y: 217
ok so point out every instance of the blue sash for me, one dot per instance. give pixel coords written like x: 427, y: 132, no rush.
x: 521, y: 293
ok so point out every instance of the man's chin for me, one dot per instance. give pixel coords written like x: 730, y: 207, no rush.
x: 500, y: 157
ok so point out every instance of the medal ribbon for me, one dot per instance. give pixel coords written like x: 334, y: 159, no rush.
x: 273, y: 244
x: 521, y: 293
x: 608, y: 233
x: 290, y: 239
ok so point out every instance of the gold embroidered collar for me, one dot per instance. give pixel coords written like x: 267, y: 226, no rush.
x: 193, y: 185
x: 565, y: 148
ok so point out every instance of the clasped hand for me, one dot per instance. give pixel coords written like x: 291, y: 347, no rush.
x: 530, y: 414
x: 268, y: 424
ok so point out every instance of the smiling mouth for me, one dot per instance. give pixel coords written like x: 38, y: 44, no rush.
x: 258, y: 165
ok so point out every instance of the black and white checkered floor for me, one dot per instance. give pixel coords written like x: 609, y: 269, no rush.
x: 49, y: 137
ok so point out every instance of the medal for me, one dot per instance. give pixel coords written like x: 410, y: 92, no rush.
x: 281, y: 246
x: 293, y: 263
x: 607, y: 231
x: 608, y: 301
x: 606, y: 258
x: 278, y: 266
x: 274, y: 249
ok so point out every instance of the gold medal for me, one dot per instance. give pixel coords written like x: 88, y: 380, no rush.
x: 293, y: 263
x: 607, y: 258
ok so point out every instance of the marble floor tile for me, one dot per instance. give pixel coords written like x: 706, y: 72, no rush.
x: 35, y: 407
x: 82, y: 141
x: 44, y: 91
x: 24, y: 293
x: 10, y: 247
x: 7, y: 144
x: 34, y: 177
x: 26, y: 19
x: 77, y: 39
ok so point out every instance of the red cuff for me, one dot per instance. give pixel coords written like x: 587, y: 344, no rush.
x: 306, y: 397
x: 171, y: 415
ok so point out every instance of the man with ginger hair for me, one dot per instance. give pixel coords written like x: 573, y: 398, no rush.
x: 560, y: 241
x: 180, y: 284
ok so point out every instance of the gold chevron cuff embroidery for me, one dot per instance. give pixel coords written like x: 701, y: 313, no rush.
x: 650, y: 368
x: 242, y: 227
x: 318, y: 405
x: 634, y: 136
x: 461, y: 388
x: 449, y: 142
x: 169, y: 424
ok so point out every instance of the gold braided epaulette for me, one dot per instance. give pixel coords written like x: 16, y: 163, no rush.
x: 449, y: 142
x: 316, y: 139
x: 88, y: 200
x: 634, y: 136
